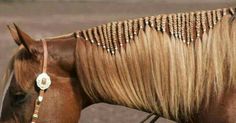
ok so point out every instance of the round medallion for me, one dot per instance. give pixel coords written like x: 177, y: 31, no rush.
x: 43, y: 81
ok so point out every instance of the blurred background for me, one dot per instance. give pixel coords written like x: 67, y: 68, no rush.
x: 46, y: 18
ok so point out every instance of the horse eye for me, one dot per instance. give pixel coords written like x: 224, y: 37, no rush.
x: 19, y: 98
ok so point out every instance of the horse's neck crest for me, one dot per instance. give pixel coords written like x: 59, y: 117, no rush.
x: 186, y: 27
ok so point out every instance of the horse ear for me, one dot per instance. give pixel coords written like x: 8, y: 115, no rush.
x: 23, y: 38
x: 14, y: 35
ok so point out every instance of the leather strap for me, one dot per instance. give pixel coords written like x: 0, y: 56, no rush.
x: 45, y: 55
x: 42, y: 92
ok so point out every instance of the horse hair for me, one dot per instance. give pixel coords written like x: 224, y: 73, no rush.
x: 166, y: 64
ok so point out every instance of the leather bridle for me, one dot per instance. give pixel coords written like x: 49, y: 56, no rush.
x: 43, y: 82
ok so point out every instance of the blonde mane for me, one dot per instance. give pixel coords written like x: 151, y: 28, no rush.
x: 172, y: 64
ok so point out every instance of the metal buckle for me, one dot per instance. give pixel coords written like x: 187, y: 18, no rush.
x: 43, y: 81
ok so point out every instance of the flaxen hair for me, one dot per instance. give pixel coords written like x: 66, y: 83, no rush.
x: 166, y: 64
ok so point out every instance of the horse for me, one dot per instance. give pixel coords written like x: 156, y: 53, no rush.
x: 180, y: 66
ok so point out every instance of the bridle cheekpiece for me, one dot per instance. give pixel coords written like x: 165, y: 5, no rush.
x: 43, y: 82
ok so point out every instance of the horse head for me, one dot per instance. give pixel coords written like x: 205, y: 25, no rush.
x: 65, y: 92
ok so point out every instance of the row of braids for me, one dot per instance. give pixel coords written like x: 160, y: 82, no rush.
x: 186, y: 27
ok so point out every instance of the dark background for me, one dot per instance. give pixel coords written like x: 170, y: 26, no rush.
x: 41, y: 18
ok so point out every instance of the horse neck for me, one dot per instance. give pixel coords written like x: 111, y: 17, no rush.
x: 61, y: 55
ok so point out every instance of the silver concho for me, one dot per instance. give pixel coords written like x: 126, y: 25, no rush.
x: 43, y: 81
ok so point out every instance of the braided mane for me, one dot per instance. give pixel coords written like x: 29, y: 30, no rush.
x: 173, y: 65
x: 186, y: 27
